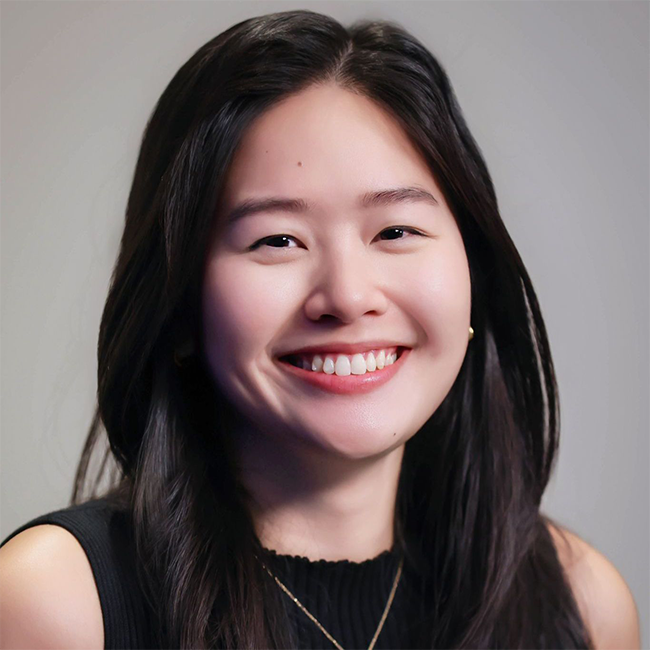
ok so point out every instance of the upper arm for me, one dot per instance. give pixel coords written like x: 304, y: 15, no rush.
x: 49, y: 597
x: 603, y: 597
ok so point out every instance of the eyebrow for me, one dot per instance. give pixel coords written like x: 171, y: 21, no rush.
x: 369, y: 199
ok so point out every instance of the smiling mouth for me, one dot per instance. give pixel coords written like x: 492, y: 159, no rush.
x: 337, y: 377
x: 344, y: 364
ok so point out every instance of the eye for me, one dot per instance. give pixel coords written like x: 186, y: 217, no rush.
x: 284, y: 239
x: 281, y: 238
x: 400, y: 229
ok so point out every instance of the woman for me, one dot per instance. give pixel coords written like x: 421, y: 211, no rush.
x: 324, y: 377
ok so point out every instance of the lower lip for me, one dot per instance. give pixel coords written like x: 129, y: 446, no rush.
x: 350, y: 384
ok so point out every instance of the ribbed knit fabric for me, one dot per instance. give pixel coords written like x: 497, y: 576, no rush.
x: 348, y: 598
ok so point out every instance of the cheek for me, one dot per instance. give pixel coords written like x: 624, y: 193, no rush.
x: 440, y: 297
x: 241, y: 310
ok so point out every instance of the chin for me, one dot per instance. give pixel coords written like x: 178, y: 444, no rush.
x: 357, y: 446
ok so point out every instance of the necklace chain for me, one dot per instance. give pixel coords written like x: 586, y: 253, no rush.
x: 398, y: 575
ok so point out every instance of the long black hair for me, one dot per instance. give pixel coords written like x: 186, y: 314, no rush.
x: 468, y: 504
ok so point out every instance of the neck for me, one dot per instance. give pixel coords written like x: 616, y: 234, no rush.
x: 308, y: 502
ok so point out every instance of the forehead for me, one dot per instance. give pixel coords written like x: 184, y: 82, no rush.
x: 326, y: 144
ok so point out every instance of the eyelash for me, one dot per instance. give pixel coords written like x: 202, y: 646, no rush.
x: 259, y: 243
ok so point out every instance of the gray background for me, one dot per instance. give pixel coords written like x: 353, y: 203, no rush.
x: 556, y: 93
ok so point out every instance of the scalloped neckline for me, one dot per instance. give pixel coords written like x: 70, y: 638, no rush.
x: 301, y: 559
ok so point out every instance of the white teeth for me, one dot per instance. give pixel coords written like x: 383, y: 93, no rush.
x: 381, y: 359
x: 328, y: 366
x: 344, y: 365
x: 358, y: 365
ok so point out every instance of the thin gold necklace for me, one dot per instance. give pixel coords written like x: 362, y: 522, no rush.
x: 398, y: 575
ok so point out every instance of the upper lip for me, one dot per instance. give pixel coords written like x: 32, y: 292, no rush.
x: 345, y: 348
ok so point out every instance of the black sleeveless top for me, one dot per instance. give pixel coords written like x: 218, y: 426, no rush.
x: 348, y: 598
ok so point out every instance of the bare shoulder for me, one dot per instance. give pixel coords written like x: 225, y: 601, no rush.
x: 603, y: 597
x: 50, y: 599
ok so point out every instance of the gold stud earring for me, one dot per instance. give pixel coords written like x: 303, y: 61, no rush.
x: 471, y: 333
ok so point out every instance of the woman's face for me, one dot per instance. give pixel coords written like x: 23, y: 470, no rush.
x: 336, y: 273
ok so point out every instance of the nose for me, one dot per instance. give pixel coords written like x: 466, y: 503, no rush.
x: 346, y: 287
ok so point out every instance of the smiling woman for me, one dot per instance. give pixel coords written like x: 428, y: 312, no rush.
x: 324, y: 376
x: 341, y: 290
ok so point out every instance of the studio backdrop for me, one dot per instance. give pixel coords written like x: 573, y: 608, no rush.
x: 556, y: 94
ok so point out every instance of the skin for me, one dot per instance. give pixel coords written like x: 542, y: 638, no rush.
x: 323, y: 468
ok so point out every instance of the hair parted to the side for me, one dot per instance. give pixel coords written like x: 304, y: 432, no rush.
x: 468, y: 512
